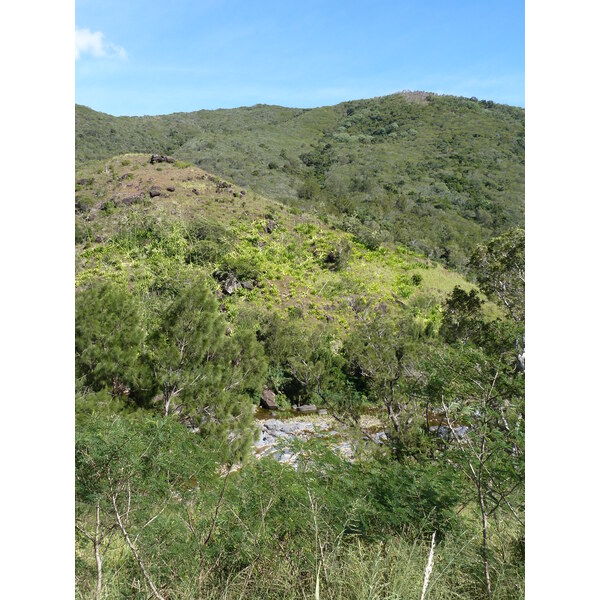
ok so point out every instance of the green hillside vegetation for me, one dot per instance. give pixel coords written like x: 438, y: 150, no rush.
x: 436, y: 173
x: 303, y: 266
x: 195, y: 293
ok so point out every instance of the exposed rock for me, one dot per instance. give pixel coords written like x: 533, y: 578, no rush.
x: 248, y: 285
x: 307, y: 409
x: 277, y: 428
x: 231, y: 285
x: 270, y: 226
x: 322, y: 411
x: 131, y: 200
x: 242, y: 193
x: 84, y: 181
x: 154, y: 191
x: 345, y: 450
x: 170, y: 188
x: 195, y: 191
x: 159, y: 158
x: 445, y: 432
x: 267, y: 400
x: 279, y: 434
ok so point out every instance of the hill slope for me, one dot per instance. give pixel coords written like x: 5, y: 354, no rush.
x: 438, y: 173
x: 260, y: 254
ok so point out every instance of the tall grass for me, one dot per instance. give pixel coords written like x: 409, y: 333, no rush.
x: 391, y: 570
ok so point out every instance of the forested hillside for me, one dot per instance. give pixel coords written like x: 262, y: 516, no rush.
x: 436, y: 173
x: 199, y: 297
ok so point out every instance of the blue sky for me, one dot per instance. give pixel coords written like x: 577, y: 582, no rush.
x: 136, y: 58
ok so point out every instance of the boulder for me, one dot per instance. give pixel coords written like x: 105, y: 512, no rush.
x: 159, y: 158
x: 248, y: 285
x: 307, y: 409
x: 154, y: 191
x: 445, y: 433
x: 322, y: 411
x: 267, y: 400
x: 231, y: 285
x: 171, y: 188
x: 131, y: 200
x: 195, y: 191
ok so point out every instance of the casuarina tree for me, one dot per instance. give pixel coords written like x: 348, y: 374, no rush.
x: 108, y: 336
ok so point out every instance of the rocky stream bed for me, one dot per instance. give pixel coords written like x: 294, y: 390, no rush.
x: 278, y: 432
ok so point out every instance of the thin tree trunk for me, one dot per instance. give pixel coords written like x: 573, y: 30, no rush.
x: 484, y: 521
x: 167, y: 398
x: 216, y: 515
x: 389, y: 401
x: 97, y: 553
x: 133, y: 549
x: 485, y: 540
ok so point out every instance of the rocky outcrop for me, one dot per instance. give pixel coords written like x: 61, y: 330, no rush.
x: 267, y: 400
x: 131, y: 200
x: 231, y: 285
x: 278, y: 436
x: 445, y: 432
x: 223, y: 185
x: 159, y: 158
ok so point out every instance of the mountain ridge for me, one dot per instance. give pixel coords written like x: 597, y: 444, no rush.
x: 442, y: 173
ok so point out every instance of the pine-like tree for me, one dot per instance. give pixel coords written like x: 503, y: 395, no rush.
x: 183, y: 348
x: 108, y: 336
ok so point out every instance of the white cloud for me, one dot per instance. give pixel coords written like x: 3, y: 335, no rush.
x: 95, y: 44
